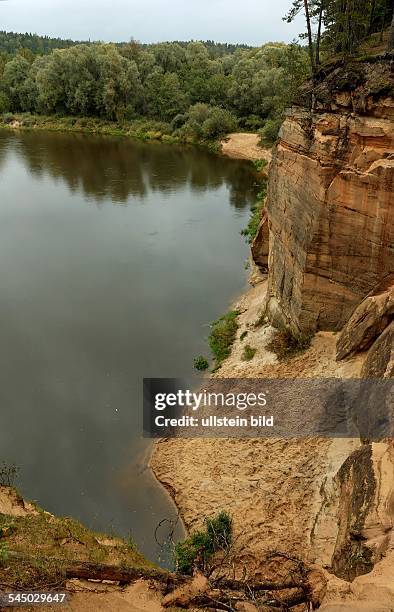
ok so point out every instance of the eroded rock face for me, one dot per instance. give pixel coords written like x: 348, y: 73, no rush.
x: 331, y: 212
x: 368, y: 321
x: 260, y: 244
x: 357, y: 490
x: 366, y: 531
x: 380, y: 359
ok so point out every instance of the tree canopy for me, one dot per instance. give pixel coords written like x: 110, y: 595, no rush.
x: 203, y: 88
x: 340, y: 26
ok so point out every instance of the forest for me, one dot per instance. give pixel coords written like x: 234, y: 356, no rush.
x: 196, y: 90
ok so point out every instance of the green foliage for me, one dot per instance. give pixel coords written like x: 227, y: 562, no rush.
x: 12, y: 43
x: 130, y: 543
x: 207, y: 122
x: 222, y: 336
x: 269, y: 133
x: 200, y: 547
x: 259, y: 164
x: 243, y: 335
x: 200, y: 90
x: 8, y: 118
x: 219, y: 122
x: 201, y: 363
x: 3, y: 553
x: 13, y: 82
x: 255, y: 215
x: 349, y: 22
x: 340, y: 26
x: 248, y: 353
x: 5, y: 103
x: 286, y: 345
x: 164, y: 98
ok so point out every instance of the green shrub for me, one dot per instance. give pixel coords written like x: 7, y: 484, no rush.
x: 219, y: 123
x: 252, y: 122
x: 250, y: 230
x: 243, y: 335
x: 248, y: 353
x: 201, y: 363
x: 178, y: 121
x: 269, y: 133
x: 5, y: 104
x: 259, y: 164
x: 220, y: 531
x: 208, y: 122
x: 202, y: 545
x: 222, y: 336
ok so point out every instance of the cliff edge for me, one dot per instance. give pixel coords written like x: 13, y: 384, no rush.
x: 330, y: 198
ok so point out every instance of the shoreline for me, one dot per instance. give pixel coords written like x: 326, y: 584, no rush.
x: 253, y: 479
x: 139, y: 130
x: 240, y: 145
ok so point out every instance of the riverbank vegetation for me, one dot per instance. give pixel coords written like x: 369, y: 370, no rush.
x: 222, y: 336
x: 196, y: 93
x: 220, y: 340
x: 250, y: 230
x: 199, y: 549
x: 37, y: 548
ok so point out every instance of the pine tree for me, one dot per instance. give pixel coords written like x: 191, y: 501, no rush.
x: 391, y: 34
x: 296, y: 8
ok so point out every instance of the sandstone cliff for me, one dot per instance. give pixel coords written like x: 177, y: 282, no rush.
x: 330, y: 200
x: 328, y: 237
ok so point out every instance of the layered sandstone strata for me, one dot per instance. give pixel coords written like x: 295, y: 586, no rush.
x: 331, y: 206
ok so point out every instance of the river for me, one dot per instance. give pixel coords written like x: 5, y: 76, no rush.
x: 114, y: 257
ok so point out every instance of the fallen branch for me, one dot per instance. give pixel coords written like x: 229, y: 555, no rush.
x: 238, y: 585
x: 85, y: 570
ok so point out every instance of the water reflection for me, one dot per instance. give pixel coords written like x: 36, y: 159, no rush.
x: 116, y: 168
x: 94, y: 297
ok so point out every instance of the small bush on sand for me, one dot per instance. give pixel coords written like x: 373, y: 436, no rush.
x: 248, y: 353
x: 286, y: 346
x: 199, y: 548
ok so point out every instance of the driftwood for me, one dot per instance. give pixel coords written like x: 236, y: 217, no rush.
x: 223, y: 601
x: 222, y: 592
x: 125, y: 575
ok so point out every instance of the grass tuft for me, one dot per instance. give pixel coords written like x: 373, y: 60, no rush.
x: 248, y: 353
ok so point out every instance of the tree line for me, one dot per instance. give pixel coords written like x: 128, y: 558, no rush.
x: 201, y: 90
x: 197, y: 91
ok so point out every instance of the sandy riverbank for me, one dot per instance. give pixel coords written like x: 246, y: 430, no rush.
x: 272, y: 488
x: 245, y: 146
